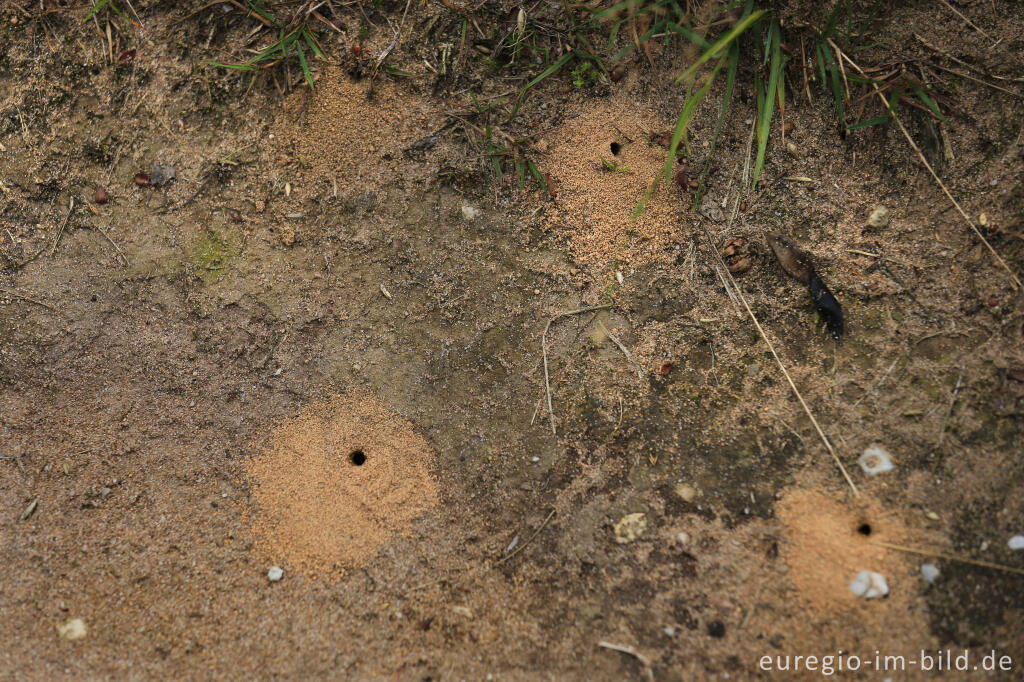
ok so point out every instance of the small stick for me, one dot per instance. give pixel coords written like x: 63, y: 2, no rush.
x: 949, y: 410
x: 544, y: 350
x: 520, y: 547
x: 12, y: 292
x: 116, y: 247
x: 949, y: 557
x: 955, y: 11
x: 630, y: 651
x: 29, y: 510
x: 1016, y: 281
x: 625, y: 351
x: 977, y: 80
x: 56, y: 241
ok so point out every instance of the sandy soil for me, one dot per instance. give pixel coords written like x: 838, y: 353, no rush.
x: 187, y: 371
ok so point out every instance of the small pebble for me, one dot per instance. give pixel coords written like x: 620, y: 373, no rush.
x: 686, y: 492
x: 876, y: 460
x: 72, y: 629
x: 716, y: 628
x: 682, y: 537
x: 869, y: 585
x: 879, y: 217
x: 630, y: 527
x: 1016, y: 542
x: 618, y: 277
x: 929, y: 572
x: 983, y: 219
x: 470, y: 212
x: 275, y: 573
x: 535, y: 459
x: 669, y: 631
x: 793, y: 150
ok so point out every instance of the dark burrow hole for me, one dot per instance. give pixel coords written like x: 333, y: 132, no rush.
x: 357, y: 457
x: 864, y: 529
x: 616, y: 148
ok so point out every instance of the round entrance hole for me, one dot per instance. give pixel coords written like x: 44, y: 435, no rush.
x: 864, y: 529
x: 357, y: 457
x: 616, y: 148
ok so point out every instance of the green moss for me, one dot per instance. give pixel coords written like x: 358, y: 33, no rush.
x: 210, y: 255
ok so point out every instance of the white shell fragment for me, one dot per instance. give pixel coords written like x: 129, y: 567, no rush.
x: 929, y: 572
x: 879, y: 217
x: 876, y: 460
x: 1016, y: 542
x: 630, y: 527
x: 72, y: 629
x: 869, y: 585
x: 470, y: 212
x: 275, y: 573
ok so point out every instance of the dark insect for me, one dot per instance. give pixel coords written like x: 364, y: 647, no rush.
x: 142, y: 180
x: 828, y: 306
x: 798, y: 264
x: 100, y: 195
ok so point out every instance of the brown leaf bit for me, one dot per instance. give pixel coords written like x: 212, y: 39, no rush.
x: 682, y: 177
x: 665, y: 368
x: 100, y: 195
x: 796, y: 262
x: 663, y: 139
x: 126, y: 58
x: 738, y: 254
x: 617, y: 73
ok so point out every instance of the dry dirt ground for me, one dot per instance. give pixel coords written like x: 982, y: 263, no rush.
x: 189, y: 372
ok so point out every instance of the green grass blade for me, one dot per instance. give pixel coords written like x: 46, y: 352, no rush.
x: 877, y: 120
x: 730, y: 84
x: 311, y: 41
x: 689, y: 108
x: 837, y: 86
x: 238, y: 67
x: 95, y: 8
x: 544, y: 74
x: 689, y: 34
x: 767, y: 102
x: 722, y: 43
x: 929, y: 102
x: 305, y: 66
x: 538, y: 176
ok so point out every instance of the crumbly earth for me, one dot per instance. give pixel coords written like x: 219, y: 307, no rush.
x: 316, y: 244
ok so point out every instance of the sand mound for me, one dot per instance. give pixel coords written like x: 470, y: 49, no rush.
x: 356, y: 139
x: 827, y: 544
x: 595, y: 202
x: 337, y: 482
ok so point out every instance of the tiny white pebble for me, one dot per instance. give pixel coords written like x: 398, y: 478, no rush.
x: 619, y: 277
x: 535, y: 459
x: 275, y: 573
x: 929, y: 572
x: 682, y: 537
x: 869, y: 585
x: 1016, y: 542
